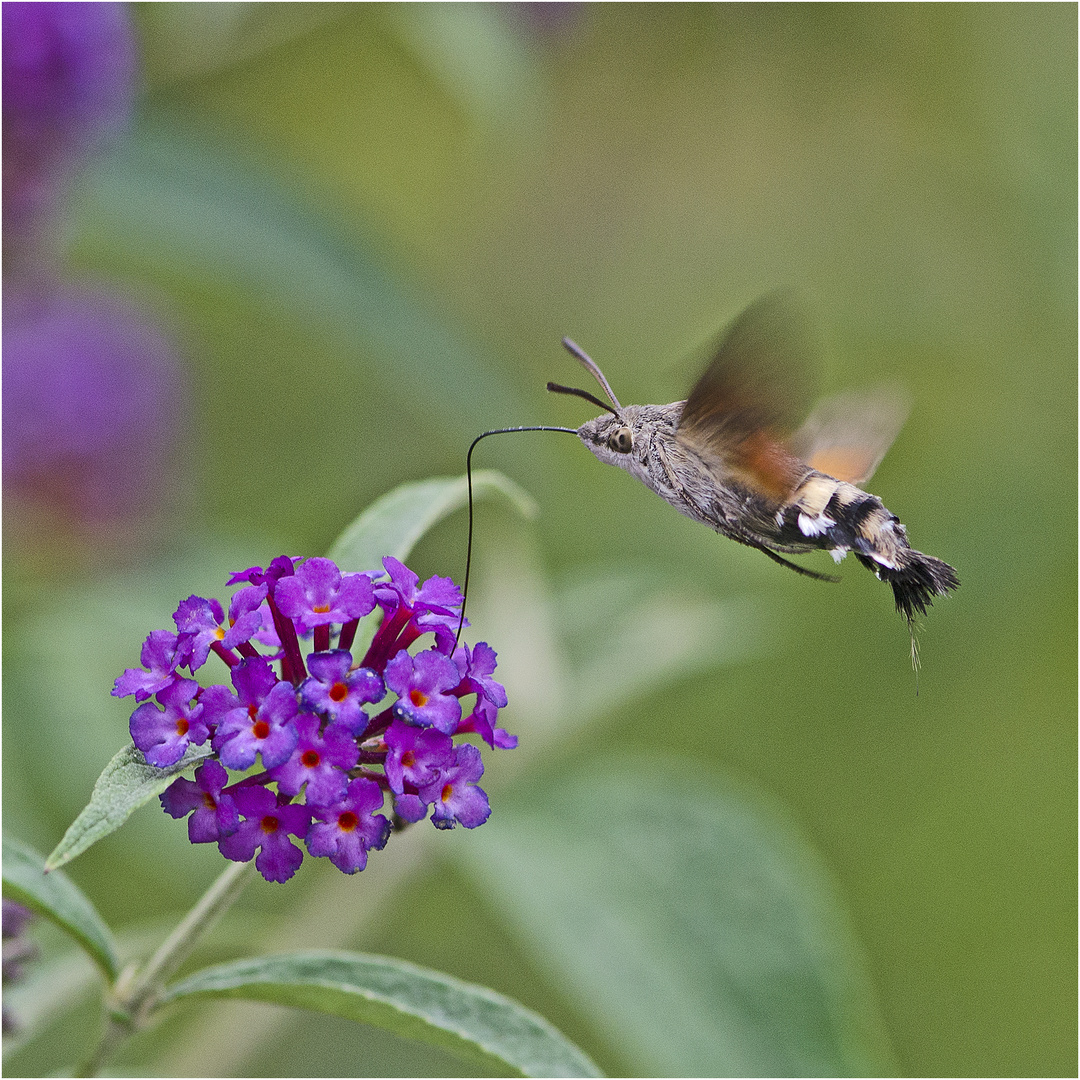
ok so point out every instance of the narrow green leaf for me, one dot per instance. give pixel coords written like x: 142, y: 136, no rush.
x: 123, y: 786
x: 393, y: 523
x: 484, y: 1028
x: 58, y: 898
x: 691, y: 924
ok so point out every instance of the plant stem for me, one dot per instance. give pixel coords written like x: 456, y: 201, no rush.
x: 137, y: 991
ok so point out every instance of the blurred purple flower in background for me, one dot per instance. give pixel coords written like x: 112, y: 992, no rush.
x: 69, y: 84
x: 93, y: 391
x: 18, y: 950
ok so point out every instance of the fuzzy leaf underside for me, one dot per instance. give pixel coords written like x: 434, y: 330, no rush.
x: 124, y: 785
x: 471, y: 1022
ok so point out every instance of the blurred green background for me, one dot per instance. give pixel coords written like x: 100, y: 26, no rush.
x: 370, y: 225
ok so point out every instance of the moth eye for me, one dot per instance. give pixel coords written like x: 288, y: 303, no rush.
x: 621, y: 441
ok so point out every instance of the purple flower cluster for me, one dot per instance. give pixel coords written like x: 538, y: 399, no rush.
x: 338, y: 731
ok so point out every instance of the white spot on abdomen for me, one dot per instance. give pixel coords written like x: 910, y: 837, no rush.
x: 814, y: 526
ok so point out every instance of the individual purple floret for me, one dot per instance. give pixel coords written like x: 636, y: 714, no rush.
x: 164, y: 734
x: 258, y: 721
x: 339, y: 693
x: 162, y: 654
x: 246, y: 615
x: 266, y: 827
x: 454, y: 794
x: 318, y: 593
x: 282, y: 566
x: 215, y: 813
x: 345, y: 832
x: 322, y: 761
x: 199, y: 623
x: 437, y: 594
x: 478, y: 665
x: 482, y: 721
x: 312, y: 714
x: 414, y: 755
x: 423, y: 684
x: 435, y: 606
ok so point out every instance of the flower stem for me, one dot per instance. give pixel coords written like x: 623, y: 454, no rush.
x: 138, y: 990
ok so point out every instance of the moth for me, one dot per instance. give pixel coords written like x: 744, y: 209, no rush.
x: 731, y: 457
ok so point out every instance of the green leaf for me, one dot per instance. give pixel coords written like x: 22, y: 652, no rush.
x: 392, y: 524
x: 484, y: 1028
x: 169, y: 197
x: 686, y: 918
x: 58, y: 898
x: 123, y: 786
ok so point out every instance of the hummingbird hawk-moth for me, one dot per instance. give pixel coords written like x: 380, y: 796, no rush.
x: 730, y: 457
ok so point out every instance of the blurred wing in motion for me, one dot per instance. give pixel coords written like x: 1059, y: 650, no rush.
x: 749, y: 398
x: 846, y: 436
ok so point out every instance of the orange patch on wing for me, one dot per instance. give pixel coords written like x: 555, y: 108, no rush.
x: 850, y: 463
x: 768, y: 465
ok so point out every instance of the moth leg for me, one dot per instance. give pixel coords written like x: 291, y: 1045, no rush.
x: 784, y: 562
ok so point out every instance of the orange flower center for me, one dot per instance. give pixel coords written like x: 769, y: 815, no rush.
x: 347, y: 821
x: 269, y: 824
x: 339, y: 692
x: 310, y: 758
x: 418, y: 698
x: 260, y: 729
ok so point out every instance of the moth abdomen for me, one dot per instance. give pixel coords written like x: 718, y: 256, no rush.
x: 880, y: 543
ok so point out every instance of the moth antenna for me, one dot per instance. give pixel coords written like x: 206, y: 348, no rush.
x: 590, y: 366
x: 468, y: 478
x: 557, y: 388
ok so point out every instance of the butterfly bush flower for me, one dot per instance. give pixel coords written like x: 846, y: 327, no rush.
x: 322, y: 741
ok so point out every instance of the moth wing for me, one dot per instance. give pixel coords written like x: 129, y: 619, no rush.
x: 846, y: 436
x: 750, y: 396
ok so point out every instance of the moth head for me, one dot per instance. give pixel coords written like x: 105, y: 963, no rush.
x: 610, y: 438
x: 614, y: 440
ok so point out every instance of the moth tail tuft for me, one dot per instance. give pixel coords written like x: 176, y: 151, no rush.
x: 917, y: 579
